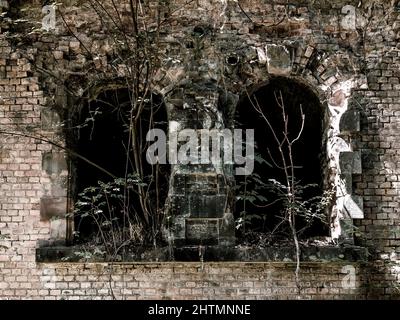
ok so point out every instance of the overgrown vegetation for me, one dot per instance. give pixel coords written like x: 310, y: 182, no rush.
x: 129, y: 209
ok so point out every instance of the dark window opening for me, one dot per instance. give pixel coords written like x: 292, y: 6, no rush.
x: 259, y: 206
x: 102, y: 135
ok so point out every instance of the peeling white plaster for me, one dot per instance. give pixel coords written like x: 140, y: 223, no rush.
x: 207, y: 121
x: 173, y: 126
x: 336, y: 144
x: 223, y: 13
x: 262, y: 56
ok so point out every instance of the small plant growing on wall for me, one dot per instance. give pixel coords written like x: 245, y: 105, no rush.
x: 115, y: 225
x: 291, y: 204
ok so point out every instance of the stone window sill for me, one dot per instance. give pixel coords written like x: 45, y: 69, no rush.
x: 56, y: 254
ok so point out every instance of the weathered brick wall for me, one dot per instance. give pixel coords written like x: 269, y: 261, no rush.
x: 180, y: 281
x: 379, y: 184
x: 37, y: 72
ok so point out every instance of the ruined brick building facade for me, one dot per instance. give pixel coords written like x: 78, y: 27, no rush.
x: 342, y: 54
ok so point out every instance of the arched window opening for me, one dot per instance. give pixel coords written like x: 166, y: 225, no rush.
x: 274, y: 111
x: 119, y: 197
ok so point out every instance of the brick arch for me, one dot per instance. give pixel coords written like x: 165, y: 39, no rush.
x: 333, y: 87
x: 317, y: 69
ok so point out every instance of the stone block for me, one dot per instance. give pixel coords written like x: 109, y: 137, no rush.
x: 309, y: 51
x: 54, y: 163
x: 279, y: 61
x: 58, y: 187
x: 350, y: 122
x: 178, y: 206
x: 350, y: 162
x: 201, y: 183
x: 178, y: 229
x: 202, y: 231
x: 210, y: 231
x: 207, y: 206
x: 354, y: 206
x: 58, y: 229
x: 51, y: 207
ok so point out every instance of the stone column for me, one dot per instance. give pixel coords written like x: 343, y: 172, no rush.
x: 199, y: 207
